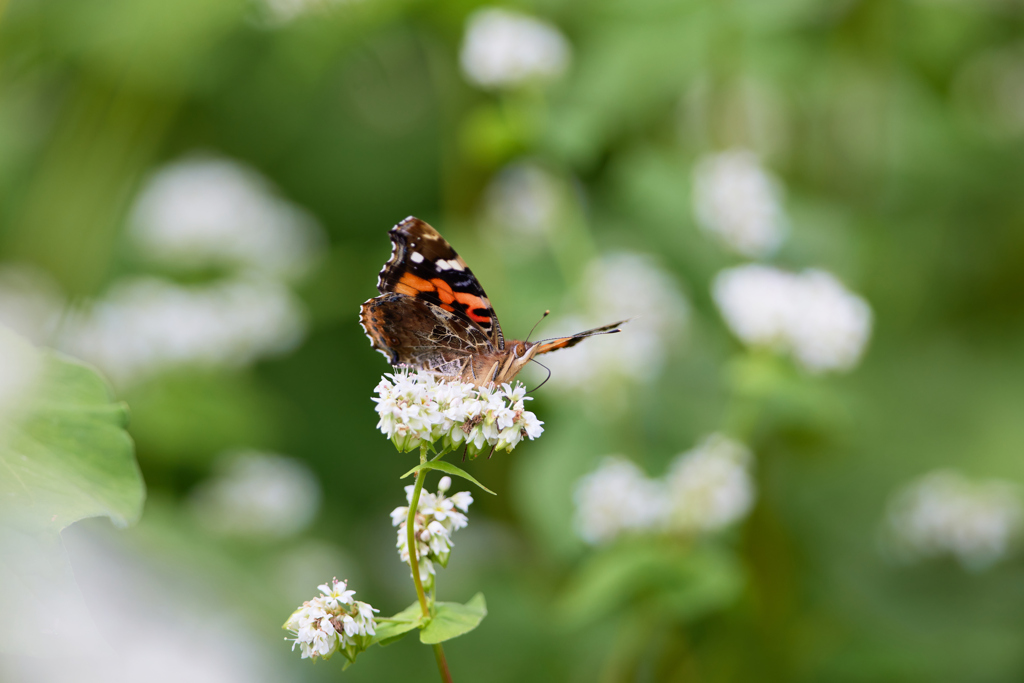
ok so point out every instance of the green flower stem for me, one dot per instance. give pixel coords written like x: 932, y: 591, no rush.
x: 442, y: 663
x: 410, y: 528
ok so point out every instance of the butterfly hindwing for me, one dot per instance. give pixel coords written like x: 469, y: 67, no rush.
x: 423, y: 265
x: 416, y: 333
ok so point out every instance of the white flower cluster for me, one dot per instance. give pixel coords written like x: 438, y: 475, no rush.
x: 739, y: 203
x: 256, y: 494
x: 419, y: 407
x: 622, y: 285
x: 331, y: 623
x: 943, y: 513
x: 502, y: 48
x: 145, y: 325
x: 706, y: 489
x: 524, y: 200
x: 617, y: 498
x: 810, y: 315
x: 437, y: 516
x: 710, y: 486
x: 197, y: 213
x: 208, y: 211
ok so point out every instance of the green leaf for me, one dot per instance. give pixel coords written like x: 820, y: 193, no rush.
x: 447, y: 468
x: 65, y: 456
x: 452, y: 620
x: 395, y: 628
x: 656, y: 574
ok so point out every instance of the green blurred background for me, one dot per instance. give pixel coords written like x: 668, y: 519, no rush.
x: 895, y: 128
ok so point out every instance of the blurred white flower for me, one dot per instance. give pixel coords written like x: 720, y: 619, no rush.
x: 332, y: 622
x: 31, y: 302
x: 206, y: 211
x: 437, y: 516
x: 145, y: 325
x: 285, y: 11
x: 155, y: 614
x: 622, y: 285
x: 524, y: 200
x: 419, y: 407
x: 257, y: 494
x: 710, y: 486
x: 706, y: 489
x: 833, y: 326
x: 20, y: 364
x: 810, y: 315
x: 618, y: 498
x: 990, y: 86
x: 502, y: 48
x: 739, y: 203
x: 943, y: 513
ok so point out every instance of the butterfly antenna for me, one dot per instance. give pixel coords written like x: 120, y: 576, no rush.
x: 545, y: 379
x: 546, y: 314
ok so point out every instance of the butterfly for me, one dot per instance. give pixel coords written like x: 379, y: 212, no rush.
x: 432, y: 314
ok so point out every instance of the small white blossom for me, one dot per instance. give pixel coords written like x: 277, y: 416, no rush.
x: 502, y: 48
x: 332, y: 622
x: 810, y: 315
x: 209, y: 211
x: 437, y: 516
x: 710, y: 486
x: 943, y: 513
x: 739, y: 203
x: 418, y: 407
x: 618, y: 498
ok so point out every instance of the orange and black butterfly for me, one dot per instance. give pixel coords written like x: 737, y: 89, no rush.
x: 432, y: 314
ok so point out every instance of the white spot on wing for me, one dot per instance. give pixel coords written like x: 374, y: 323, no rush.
x: 416, y: 257
x: 452, y: 264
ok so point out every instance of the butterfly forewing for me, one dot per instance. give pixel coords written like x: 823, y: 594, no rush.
x: 424, y: 265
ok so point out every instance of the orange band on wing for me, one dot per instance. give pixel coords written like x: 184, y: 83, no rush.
x: 444, y: 290
x: 472, y: 303
x: 416, y: 283
x: 405, y: 289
